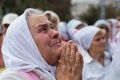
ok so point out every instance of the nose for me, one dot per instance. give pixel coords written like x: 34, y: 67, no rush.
x: 54, y: 34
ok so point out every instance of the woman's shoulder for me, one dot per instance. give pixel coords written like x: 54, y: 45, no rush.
x: 11, y: 75
x: 18, y: 75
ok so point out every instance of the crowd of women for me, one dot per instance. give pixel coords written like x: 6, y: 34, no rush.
x: 37, y: 45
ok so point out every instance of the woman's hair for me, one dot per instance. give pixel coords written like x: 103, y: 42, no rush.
x: 100, y: 32
x: 102, y: 26
x: 33, y: 12
x: 52, y: 16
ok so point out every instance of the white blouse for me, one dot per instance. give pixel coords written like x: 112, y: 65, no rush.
x: 92, y: 70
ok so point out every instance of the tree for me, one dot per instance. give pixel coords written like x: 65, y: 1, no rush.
x: 92, y: 14
x: 61, y: 7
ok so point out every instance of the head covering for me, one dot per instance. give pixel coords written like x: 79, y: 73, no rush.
x: 19, y: 49
x: 85, y: 36
x: 101, y: 21
x: 71, y: 27
x: 73, y: 23
x: 9, y: 18
x: 114, y: 26
x: 62, y: 28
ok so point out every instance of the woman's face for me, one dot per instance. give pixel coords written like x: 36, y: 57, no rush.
x: 98, y: 44
x: 46, y: 38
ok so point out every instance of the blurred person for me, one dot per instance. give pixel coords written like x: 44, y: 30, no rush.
x: 104, y: 25
x: 2, y: 66
x: 118, y: 34
x: 96, y: 59
x: 53, y: 17
x: 35, y: 47
x: 7, y: 20
x: 113, y: 33
x: 114, y: 71
x: 62, y: 28
x: 73, y: 26
x: 113, y: 30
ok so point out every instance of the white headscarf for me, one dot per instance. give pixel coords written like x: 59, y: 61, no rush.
x: 62, y: 28
x: 19, y: 49
x: 71, y: 26
x: 101, y: 21
x: 114, y: 26
x: 85, y: 36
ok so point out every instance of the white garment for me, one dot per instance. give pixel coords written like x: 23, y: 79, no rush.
x: 101, y: 21
x: 85, y: 36
x: 71, y: 28
x: 118, y: 37
x: 114, y: 71
x: 19, y: 49
x: 12, y: 75
x: 92, y: 70
x: 62, y: 28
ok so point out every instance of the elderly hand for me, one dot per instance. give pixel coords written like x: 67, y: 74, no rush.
x: 71, y: 63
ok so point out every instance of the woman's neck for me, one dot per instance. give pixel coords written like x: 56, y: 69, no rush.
x: 98, y: 56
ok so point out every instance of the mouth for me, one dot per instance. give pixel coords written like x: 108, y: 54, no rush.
x: 56, y: 44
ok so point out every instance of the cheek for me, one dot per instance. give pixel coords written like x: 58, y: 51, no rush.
x: 42, y: 41
x: 95, y: 46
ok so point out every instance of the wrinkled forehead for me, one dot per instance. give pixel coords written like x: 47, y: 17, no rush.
x: 38, y: 19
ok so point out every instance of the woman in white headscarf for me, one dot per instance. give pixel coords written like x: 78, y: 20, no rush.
x: 103, y: 24
x: 113, y: 30
x: 96, y: 60
x: 73, y: 26
x: 62, y: 28
x: 31, y: 47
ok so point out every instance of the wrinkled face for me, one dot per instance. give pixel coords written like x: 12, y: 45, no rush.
x: 98, y: 44
x: 46, y: 38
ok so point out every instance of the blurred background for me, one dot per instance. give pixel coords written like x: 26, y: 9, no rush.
x: 88, y: 10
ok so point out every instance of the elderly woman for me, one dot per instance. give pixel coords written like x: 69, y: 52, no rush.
x: 96, y: 60
x: 32, y: 47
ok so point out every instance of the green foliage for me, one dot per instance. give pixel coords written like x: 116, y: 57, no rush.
x: 92, y: 14
x: 112, y: 12
x: 61, y: 7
